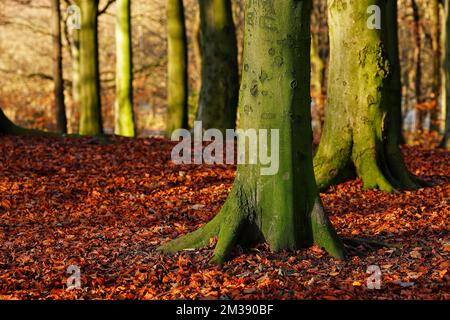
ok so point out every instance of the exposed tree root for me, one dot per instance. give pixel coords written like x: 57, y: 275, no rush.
x: 234, y: 226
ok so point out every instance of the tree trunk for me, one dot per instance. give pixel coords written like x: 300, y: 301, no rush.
x: 419, y: 114
x: 61, y: 120
x: 318, y: 83
x: 6, y: 125
x: 177, y: 113
x: 359, y: 131
x: 393, y: 81
x: 219, y: 92
x: 124, y: 115
x: 197, y: 51
x: 76, y: 83
x: 436, y: 52
x: 90, y: 114
x: 284, y: 209
x: 446, y: 141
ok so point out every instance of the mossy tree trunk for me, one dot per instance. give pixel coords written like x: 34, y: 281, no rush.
x: 219, y: 93
x: 284, y: 209
x: 393, y: 81
x: 124, y: 115
x: 446, y: 141
x: 90, y: 113
x: 61, y: 120
x: 177, y: 113
x: 359, y: 129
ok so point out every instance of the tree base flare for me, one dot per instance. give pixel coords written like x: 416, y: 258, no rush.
x: 237, y: 225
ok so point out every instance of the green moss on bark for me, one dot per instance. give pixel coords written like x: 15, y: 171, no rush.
x: 90, y: 113
x: 177, y: 85
x: 218, y: 98
x: 284, y: 209
x: 361, y: 129
x: 124, y: 115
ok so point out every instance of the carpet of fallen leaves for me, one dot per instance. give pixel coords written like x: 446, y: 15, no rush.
x: 106, y: 206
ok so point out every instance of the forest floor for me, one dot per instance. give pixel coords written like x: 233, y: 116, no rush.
x: 105, y: 207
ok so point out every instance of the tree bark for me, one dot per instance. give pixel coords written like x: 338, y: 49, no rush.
x: 61, y: 120
x: 446, y: 140
x: 76, y: 83
x: 419, y: 114
x: 318, y: 83
x: 359, y: 131
x: 124, y: 115
x: 436, y: 51
x: 219, y: 93
x: 284, y: 209
x: 90, y: 113
x: 177, y: 113
x: 393, y: 81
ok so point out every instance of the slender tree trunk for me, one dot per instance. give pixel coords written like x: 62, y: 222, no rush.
x: 198, y: 50
x: 76, y: 83
x: 420, y: 114
x: 124, y: 115
x: 446, y: 141
x: 318, y: 83
x: 219, y: 92
x: 284, y: 209
x: 177, y: 114
x: 359, y: 131
x: 393, y: 81
x: 90, y: 115
x: 436, y: 51
x: 61, y: 120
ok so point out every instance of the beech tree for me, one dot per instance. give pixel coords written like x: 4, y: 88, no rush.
x: 124, y: 115
x: 219, y: 93
x: 446, y: 29
x: 61, y: 120
x: 90, y: 113
x: 285, y: 209
x: 177, y: 82
x: 393, y: 81
x: 360, y: 133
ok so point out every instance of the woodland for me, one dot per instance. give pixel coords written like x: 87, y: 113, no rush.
x: 97, y: 95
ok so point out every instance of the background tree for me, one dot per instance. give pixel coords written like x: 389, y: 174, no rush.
x: 217, y: 105
x: 436, y: 61
x: 124, y: 115
x: 418, y: 31
x: 446, y: 29
x: 61, y: 120
x: 393, y: 81
x: 73, y: 39
x: 319, y: 57
x: 359, y: 130
x: 90, y: 113
x: 284, y: 210
x: 177, y: 82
